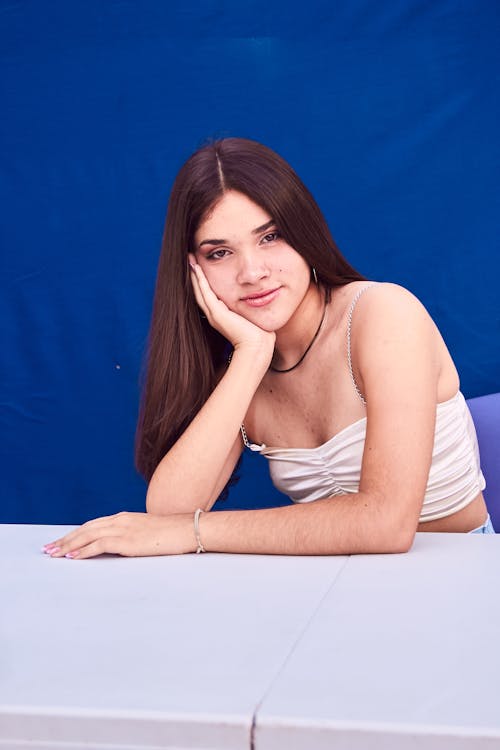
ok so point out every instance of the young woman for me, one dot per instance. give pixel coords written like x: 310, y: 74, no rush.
x: 263, y: 335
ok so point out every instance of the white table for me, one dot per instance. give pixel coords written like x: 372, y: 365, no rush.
x: 404, y: 652
x: 215, y: 651
x: 170, y: 652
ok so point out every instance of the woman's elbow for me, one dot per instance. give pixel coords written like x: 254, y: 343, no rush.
x: 400, y: 536
x: 400, y: 521
x: 403, y: 541
x: 155, y: 500
x: 395, y: 536
x: 152, y: 506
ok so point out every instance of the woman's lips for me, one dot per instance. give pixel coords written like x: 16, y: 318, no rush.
x: 261, y: 299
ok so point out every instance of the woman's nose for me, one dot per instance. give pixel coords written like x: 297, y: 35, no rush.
x: 252, y: 268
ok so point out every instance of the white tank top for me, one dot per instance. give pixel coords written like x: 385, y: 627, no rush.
x: 334, y: 468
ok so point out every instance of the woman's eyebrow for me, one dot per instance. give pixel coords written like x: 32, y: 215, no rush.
x: 212, y: 242
x: 263, y: 227
x: 258, y: 230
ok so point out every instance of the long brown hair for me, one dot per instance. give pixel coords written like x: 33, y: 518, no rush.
x: 184, y: 352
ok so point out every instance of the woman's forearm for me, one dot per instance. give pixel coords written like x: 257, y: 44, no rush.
x: 189, y: 474
x: 348, y: 524
x: 354, y: 524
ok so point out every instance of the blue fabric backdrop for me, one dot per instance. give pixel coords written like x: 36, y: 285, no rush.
x: 389, y: 111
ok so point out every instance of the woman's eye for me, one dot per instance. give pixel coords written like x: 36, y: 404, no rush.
x: 216, y: 254
x: 271, y: 237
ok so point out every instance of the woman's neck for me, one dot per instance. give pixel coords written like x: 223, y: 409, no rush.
x: 297, y: 334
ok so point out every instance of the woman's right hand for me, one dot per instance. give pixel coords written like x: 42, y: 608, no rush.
x: 239, y: 331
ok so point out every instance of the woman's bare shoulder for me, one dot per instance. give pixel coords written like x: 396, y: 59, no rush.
x: 379, y: 301
x: 395, y: 342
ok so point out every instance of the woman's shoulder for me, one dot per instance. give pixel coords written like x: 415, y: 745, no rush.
x: 383, y: 312
x: 378, y: 290
x: 382, y: 298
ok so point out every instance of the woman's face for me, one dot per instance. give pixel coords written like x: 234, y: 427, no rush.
x: 248, y: 265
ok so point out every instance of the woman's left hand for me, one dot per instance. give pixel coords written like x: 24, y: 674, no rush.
x: 128, y: 534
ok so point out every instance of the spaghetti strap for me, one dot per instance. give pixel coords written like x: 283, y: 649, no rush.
x: 349, y: 325
x: 248, y: 444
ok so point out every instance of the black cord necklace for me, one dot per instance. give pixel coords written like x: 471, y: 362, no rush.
x: 289, y: 369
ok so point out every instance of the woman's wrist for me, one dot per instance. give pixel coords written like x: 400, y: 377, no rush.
x: 181, y: 525
x: 257, y: 355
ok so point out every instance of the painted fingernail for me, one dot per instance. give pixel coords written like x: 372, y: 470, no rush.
x: 70, y: 555
x: 54, y: 550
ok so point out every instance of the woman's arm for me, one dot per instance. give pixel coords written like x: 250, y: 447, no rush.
x: 394, y: 352
x: 198, y: 466
x: 196, y: 469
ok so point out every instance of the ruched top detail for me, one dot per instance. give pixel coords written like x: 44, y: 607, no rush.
x: 334, y: 468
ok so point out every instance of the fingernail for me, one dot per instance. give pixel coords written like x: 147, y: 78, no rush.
x: 54, y: 550
x: 70, y: 554
x: 47, y: 548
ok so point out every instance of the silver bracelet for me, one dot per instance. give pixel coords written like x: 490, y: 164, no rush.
x: 200, y: 547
